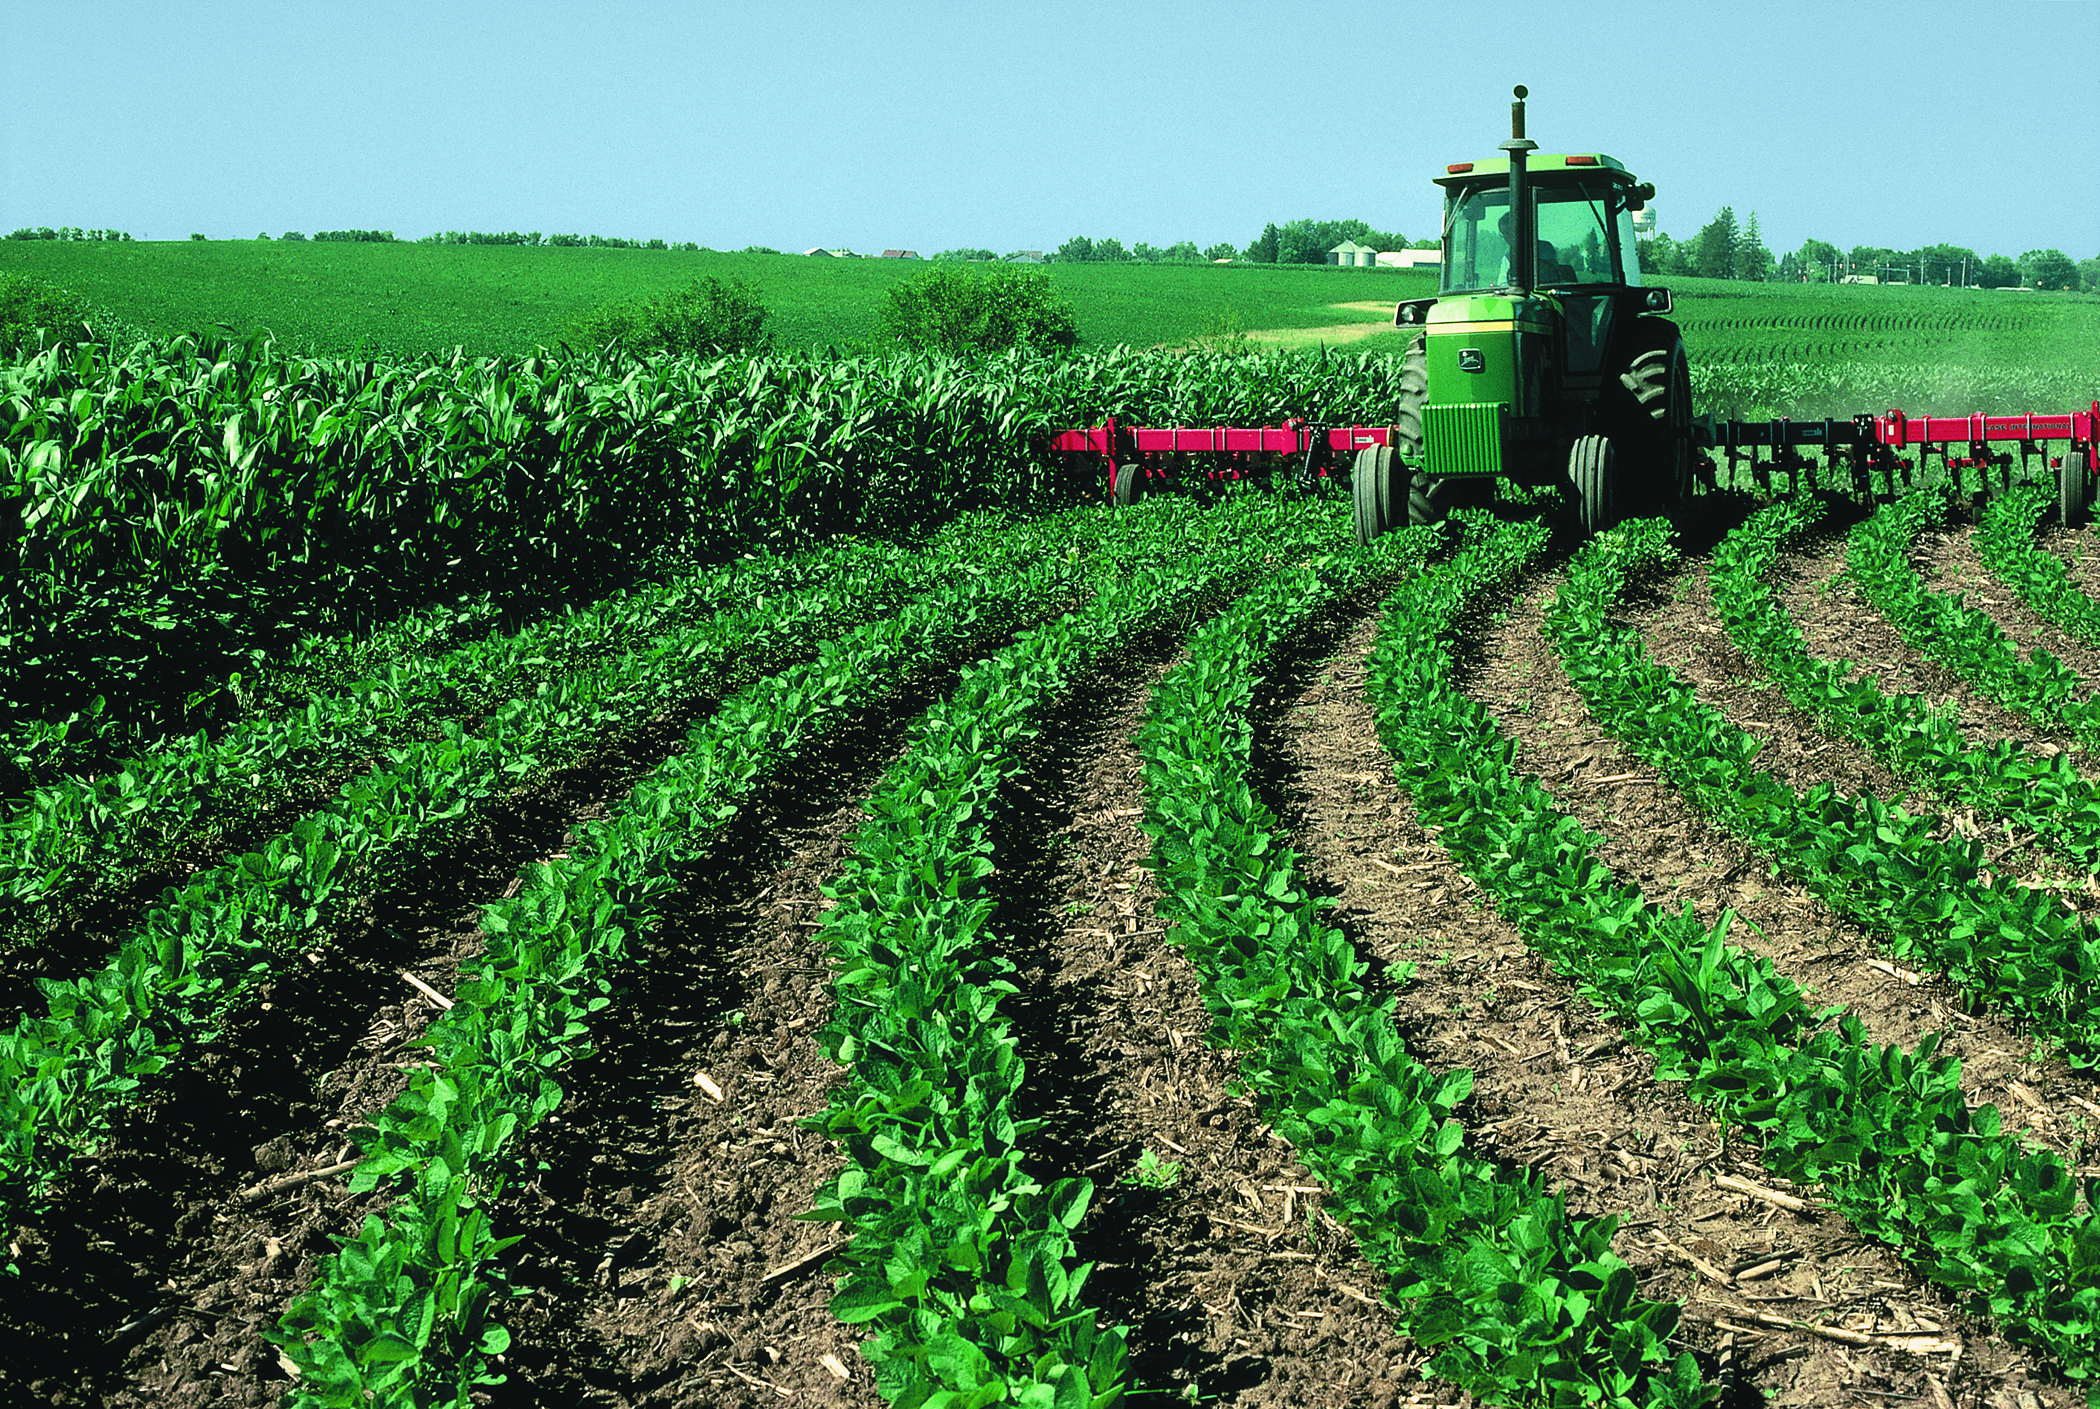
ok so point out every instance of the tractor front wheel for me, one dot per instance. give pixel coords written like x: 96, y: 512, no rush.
x: 2074, y: 486
x: 1593, y: 470
x: 1130, y: 485
x: 1372, y: 482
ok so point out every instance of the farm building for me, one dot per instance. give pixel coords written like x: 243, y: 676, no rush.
x: 1410, y: 259
x: 1027, y: 257
x: 900, y: 254
x: 820, y: 253
x: 1351, y: 255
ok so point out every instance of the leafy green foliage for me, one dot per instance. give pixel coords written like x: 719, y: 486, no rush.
x: 1887, y: 1133
x: 1524, y: 1304
x: 1958, y: 636
x: 956, y: 309
x: 76, y: 837
x: 960, y: 1261
x: 206, y: 945
x: 2006, y: 540
x: 35, y: 315
x: 709, y: 317
x: 2016, y: 949
x: 170, y: 513
x: 554, y: 954
x: 1917, y: 738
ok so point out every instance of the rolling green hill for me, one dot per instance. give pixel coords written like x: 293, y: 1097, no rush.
x: 1757, y: 349
x: 410, y: 298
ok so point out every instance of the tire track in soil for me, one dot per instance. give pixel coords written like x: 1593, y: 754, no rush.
x: 1655, y: 840
x: 1677, y: 621
x: 149, y: 1279
x: 1234, y: 1285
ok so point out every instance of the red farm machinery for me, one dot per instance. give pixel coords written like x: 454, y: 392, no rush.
x: 1544, y: 360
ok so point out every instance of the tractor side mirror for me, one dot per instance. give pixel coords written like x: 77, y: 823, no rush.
x: 1639, y: 196
x: 1412, y: 314
x: 1656, y: 300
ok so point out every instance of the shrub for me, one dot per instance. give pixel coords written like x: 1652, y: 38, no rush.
x: 36, y: 314
x: 711, y: 316
x: 955, y: 308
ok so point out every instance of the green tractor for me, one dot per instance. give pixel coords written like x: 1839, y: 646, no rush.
x: 1542, y: 359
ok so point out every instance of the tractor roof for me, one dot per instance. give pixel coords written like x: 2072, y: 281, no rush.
x: 1460, y: 173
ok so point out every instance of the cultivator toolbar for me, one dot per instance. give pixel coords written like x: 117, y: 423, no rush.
x: 1865, y: 454
x: 1894, y: 447
x: 1128, y: 451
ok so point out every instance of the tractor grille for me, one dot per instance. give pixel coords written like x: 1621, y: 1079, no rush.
x: 1465, y: 439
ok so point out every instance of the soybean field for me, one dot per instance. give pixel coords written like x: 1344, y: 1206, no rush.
x: 548, y: 880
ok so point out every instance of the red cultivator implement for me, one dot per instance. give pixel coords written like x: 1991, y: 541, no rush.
x: 1865, y: 454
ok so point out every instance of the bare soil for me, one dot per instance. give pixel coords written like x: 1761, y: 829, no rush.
x: 662, y: 1261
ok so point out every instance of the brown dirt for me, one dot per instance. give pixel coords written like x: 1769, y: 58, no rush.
x: 1653, y: 839
x: 150, y: 1278
x: 1224, y: 1287
x: 1949, y: 562
x: 1839, y: 623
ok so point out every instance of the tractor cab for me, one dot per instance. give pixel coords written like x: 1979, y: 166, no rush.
x: 1540, y: 358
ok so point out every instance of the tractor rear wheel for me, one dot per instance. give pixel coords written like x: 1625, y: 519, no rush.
x: 1130, y: 485
x: 2074, y: 486
x: 1372, y: 483
x: 1593, y: 470
x: 1660, y: 381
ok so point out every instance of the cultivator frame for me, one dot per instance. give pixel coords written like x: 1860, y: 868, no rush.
x: 1130, y: 452
x: 1854, y: 452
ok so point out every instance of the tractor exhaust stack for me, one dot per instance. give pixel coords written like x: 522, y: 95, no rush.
x: 1523, y: 231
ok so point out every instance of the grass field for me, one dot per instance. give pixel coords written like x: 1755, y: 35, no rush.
x: 492, y: 299
x: 1757, y: 350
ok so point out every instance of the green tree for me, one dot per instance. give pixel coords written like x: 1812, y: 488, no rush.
x: 1819, y: 260
x: 967, y: 254
x: 2089, y: 274
x: 958, y: 309
x: 2049, y: 269
x: 710, y: 317
x: 1943, y: 263
x: 1147, y: 254
x: 1999, y: 272
x: 1077, y: 250
x: 1182, y: 252
x: 1220, y: 251
x: 1752, y: 259
x: 1266, y: 245
x: 1110, y: 250
x: 1715, y: 247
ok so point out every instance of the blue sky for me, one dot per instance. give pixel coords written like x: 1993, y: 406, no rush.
x: 934, y: 125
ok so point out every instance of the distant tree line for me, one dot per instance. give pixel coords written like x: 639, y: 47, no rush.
x: 1308, y: 241
x: 1082, y: 250
x: 66, y: 232
x: 1723, y: 249
x: 488, y: 237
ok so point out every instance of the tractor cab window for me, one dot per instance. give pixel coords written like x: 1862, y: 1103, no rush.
x: 1476, y: 240
x: 1578, y: 220
x: 1576, y: 223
